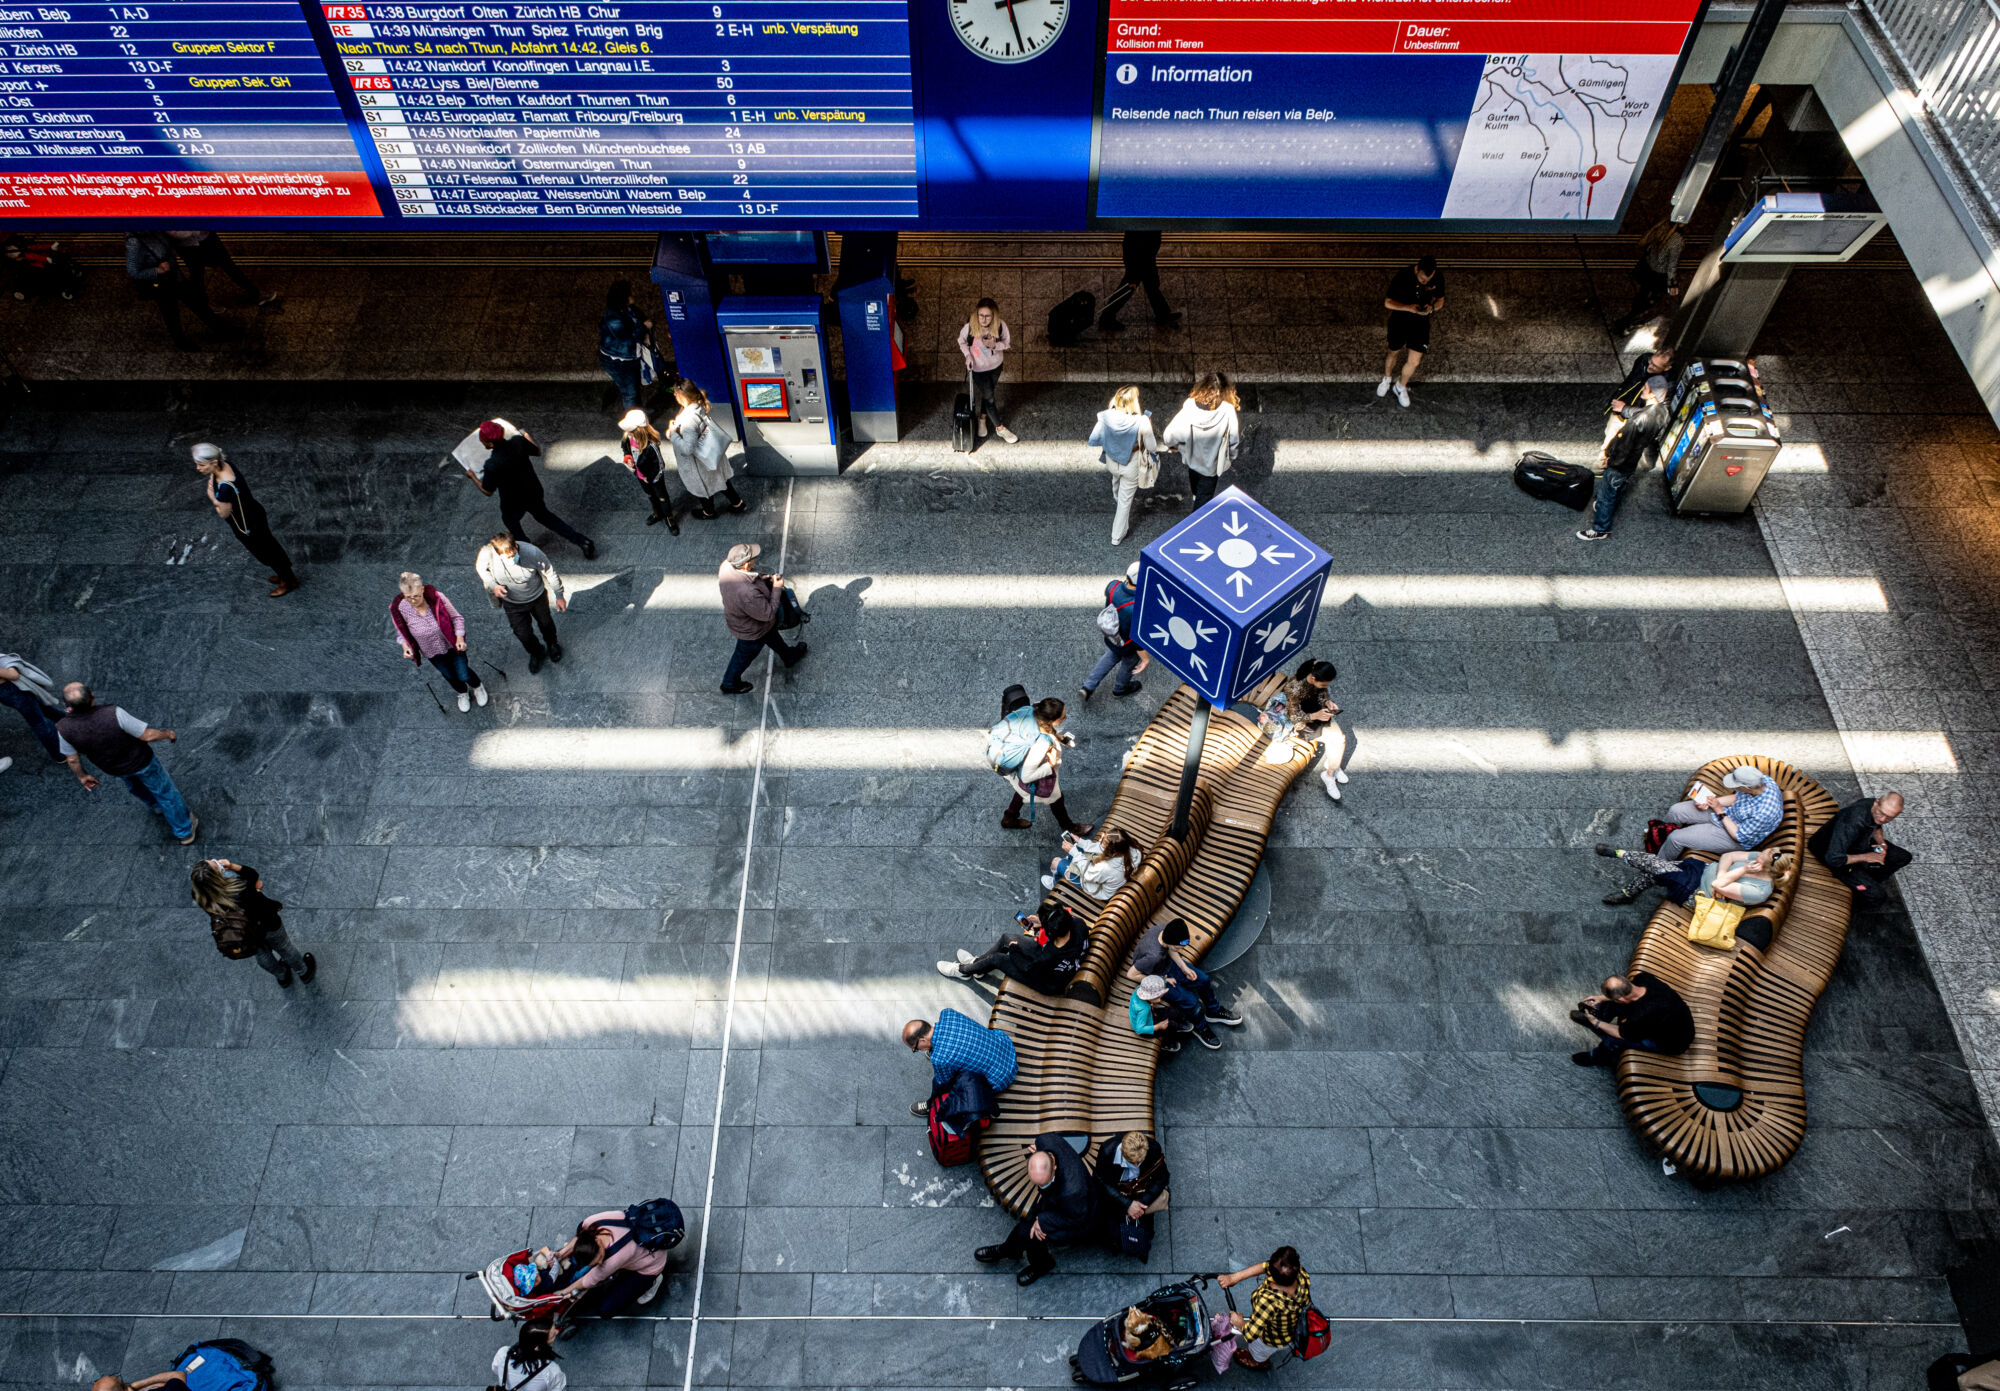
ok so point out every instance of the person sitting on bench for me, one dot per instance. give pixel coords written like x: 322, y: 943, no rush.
x: 1854, y: 847
x: 1739, y: 876
x: 1643, y: 1012
x: 1157, y: 1010
x: 1070, y: 1209
x: 955, y: 1043
x: 1162, y: 952
x: 1738, y: 819
x: 1043, y: 955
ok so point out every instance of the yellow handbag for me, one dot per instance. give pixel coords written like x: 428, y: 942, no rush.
x: 1714, y: 922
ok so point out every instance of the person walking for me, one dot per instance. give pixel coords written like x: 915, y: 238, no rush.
x: 117, y: 742
x: 1208, y: 433
x: 229, y: 494
x: 1037, y: 778
x: 149, y: 261
x: 701, y: 451
x: 1114, y: 629
x: 984, y: 342
x: 1654, y: 273
x: 1125, y: 444
x: 623, y: 340
x: 1276, y: 1306
x: 529, y: 1362
x: 1140, y: 252
x: 245, y: 923
x: 524, y: 582
x: 751, y: 605
x: 31, y: 692
x: 1637, y: 439
x: 1415, y: 294
x: 645, y: 462
x: 510, y: 472
x: 202, y: 252
x: 428, y: 626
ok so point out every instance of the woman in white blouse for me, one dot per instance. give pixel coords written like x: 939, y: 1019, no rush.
x: 1099, y: 867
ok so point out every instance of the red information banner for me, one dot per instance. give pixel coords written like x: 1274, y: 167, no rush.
x: 192, y: 194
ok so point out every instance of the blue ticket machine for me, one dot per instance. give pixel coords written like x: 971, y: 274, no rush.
x: 681, y: 272
x: 776, y: 360
x: 865, y: 293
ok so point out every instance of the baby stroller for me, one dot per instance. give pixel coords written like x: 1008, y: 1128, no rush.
x: 1102, y: 1359
x: 548, y: 1297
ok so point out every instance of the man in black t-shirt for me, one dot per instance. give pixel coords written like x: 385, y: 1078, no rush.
x: 1643, y: 1012
x: 510, y: 472
x: 1415, y: 293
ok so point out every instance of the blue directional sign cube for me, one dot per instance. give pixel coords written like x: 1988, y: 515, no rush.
x: 1228, y: 596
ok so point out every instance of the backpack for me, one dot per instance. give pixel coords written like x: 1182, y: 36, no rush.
x: 225, y: 1364
x: 1113, y: 617
x: 655, y: 1224
x: 1314, y: 1335
x: 234, y: 936
x: 1009, y: 741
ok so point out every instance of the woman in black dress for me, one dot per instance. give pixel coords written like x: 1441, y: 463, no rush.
x: 230, y: 495
x: 245, y: 923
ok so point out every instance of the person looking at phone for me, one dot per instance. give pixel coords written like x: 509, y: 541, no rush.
x: 1043, y: 955
x: 1739, y: 817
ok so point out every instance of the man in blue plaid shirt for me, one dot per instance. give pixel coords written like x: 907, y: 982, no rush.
x: 955, y: 1043
x: 1739, y: 818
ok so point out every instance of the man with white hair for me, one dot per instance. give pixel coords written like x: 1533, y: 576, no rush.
x: 1114, y: 627
x: 750, y: 604
x: 1070, y: 1208
x: 1737, y: 819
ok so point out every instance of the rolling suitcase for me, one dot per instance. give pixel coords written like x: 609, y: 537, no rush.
x: 1545, y: 476
x: 961, y: 420
x: 1068, y: 320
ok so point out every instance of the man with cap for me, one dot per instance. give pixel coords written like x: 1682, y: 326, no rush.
x: 510, y: 472
x: 1157, y: 1010
x: 1637, y: 439
x: 750, y: 604
x: 120, y: 744
x: 1070, y: 1208
x: 524, y: 580
x: 229, y: 494
x: 1114, y: 627
x: 1739, y: 818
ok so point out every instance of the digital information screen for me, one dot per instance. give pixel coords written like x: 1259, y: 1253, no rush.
x: 1241, y: 110
x: 218, y: 109
x: 750, y: 110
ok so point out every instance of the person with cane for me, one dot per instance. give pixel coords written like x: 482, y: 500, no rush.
x: 428, y: 626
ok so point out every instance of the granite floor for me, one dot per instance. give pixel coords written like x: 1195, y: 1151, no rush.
x: 539, y: 923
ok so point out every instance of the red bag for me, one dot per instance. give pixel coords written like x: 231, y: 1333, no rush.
x: 948, y: 1149
x: 1315, y: 1335
x: 1657, y: 832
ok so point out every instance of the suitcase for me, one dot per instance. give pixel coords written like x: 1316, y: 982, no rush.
x: 1545, y: 476
x: 1068, y: 320
x: 961, y: 420
x: 948, y: 1149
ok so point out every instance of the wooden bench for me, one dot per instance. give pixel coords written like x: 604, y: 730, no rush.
x: 1733, y: 1106
x: 1082, y: 1069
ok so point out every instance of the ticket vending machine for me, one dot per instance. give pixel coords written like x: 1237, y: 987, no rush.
x: 776, y: 359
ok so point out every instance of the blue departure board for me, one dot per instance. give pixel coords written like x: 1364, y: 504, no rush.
x: 222, y: 109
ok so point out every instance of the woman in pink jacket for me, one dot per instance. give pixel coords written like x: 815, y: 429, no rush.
x: 427, y: 625
x: 622, y: 1272
x: 984, y: 341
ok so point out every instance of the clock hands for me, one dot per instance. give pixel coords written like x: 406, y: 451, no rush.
x: 1008, y: 5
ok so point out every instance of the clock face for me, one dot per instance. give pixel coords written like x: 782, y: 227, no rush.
x: 1007, y: 31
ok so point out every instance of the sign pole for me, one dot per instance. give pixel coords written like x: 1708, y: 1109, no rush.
x: 1190, y: 766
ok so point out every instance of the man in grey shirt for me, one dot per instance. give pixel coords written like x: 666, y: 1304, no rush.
x: 520, y: 576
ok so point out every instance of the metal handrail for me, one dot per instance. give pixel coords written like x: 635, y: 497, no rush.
x: 1950, y: 50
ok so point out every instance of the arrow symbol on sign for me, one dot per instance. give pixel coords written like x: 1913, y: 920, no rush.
x: 1200, y: 551
x: 1166, y: 600
x: 1200, y: 666
x: 1161, y: 635
x: 1239, y: 579
x: 1274, y: 555
x: 1235, y: 526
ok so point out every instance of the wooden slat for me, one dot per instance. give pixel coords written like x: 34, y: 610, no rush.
x: 1751, y: 1008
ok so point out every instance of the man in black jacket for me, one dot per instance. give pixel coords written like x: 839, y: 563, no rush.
x: 510, y: 472
x: 1140, y: 252
x: 1071, y: 1210
x: 1657, y: 363
x: 1642, y: 1012
x: 1638, y: 438
x: 1043, y: 956
x: 1854, y: 847
x: 1133, y: 1170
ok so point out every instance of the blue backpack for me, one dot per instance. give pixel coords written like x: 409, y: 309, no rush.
x: 225, y: 1364
x: 655, y: 1224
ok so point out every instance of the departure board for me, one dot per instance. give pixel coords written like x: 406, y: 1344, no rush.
x: 785, y: 111
x: 222, y: 109
x: 1519, y: 111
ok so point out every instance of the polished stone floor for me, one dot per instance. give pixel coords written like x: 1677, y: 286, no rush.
x: 539, y: 923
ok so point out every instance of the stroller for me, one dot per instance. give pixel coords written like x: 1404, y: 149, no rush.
x: 551, y: 1299
x: 1103, y: 1360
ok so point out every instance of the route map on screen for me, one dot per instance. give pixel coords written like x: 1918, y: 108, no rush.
x: 1241, y: 110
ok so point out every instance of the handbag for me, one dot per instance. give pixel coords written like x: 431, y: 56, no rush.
x: 649, y: 365
x: 1135, y: 1240
x: 1714, y: 922
x: 710, y: 446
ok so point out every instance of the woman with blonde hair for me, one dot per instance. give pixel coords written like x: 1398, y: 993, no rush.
x: 244, y: 923
x: 645, y: 462
x: 427, y: 625
x: 1739, y: 876
x: 1207, y: 433
x: 1099, y: 867
x: 984, y: 342
x: 1125, y: 444
x: 701, y: 451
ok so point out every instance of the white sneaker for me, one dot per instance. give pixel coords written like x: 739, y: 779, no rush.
x: 1048, y: 881
x: 479, y: 694
x: 1382, y: 388
x: 965, y: 958
x: 949, y: 970
x: 1006, y: 434
x: 464, y: 702
x: 1340, y: 775
x: 1332, y: 787
x: 1402, y: 396
x: 653, y: 1289
x: 5, y: 764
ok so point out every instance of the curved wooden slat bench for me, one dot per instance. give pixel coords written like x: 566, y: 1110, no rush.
x: 1733, y: 1106
x: 1083, y: 1071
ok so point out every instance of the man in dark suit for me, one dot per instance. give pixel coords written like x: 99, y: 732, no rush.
x: 1132, y: 1168
x: 1071, y: 1209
